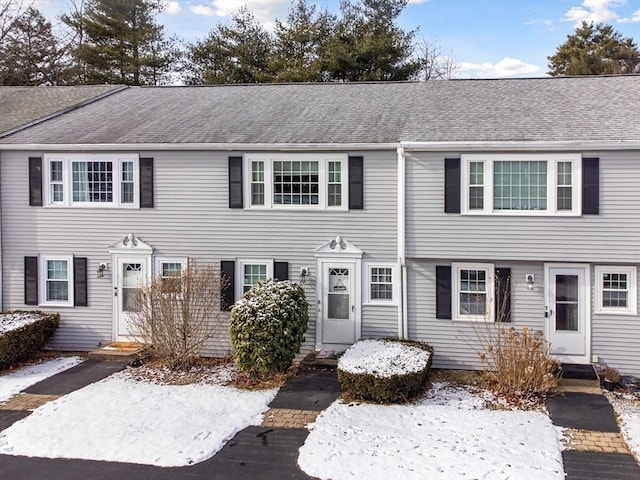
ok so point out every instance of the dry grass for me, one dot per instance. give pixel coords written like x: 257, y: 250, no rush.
x: 264, y: 381
x: 472, y: 378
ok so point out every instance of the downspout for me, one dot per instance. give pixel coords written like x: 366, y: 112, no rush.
x: 402, y: 305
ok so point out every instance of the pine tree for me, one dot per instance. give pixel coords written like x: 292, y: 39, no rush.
x: 368, y: 45
x: 300, y: 51
x: 29, y: 52
x: 119, y: 41
x: 595, y: 50
x: 236, y: 52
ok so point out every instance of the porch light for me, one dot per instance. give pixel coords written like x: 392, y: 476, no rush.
x: 530, y: 277
x: 101, y: 268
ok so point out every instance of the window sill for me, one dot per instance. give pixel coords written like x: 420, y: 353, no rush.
x: 625, y: 313
x: 377, y: 303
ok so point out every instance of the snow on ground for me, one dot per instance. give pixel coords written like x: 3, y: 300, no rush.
x: 16, y: 381
x: 123, y: 420
x: 383, y: 358
x: 15, y: 320
x: 627, y: 406
x: 448, y: 434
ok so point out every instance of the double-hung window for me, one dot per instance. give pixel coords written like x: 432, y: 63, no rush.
x: 521, y: 184
x: 382, y: 284
x: 616, y: 290
x: 252, y: 271
x: 92, y: 180
x: 473, y: 291
x: 297, y: 181
x: 56, y: 274
x: 170, y: 271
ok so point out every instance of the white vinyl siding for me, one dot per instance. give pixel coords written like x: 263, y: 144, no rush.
x: 91, y: 180
x: 296, y: 181
x: 615, y: 290
x: 521, y: 184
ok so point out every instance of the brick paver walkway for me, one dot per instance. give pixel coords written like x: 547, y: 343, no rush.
x: 27, y: 401
x: 592, y: 441
x: 288, y: 418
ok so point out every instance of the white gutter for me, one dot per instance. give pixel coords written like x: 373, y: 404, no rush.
x: 527, y: 146
x: 402, y: 267
x: 272, y: 147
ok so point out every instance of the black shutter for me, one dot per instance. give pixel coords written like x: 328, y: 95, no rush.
x: 80, y: 282
x: 356, y: 183
x: 235, y: 182
x: 452, y: 185
x: 503, y: 295
x: 31, y: 280
x: 443, y: 292
x: 146, y: 183
x: 590, y: 186
x: 35, y: 182
x: 281, y: 270
x: 227, y: 292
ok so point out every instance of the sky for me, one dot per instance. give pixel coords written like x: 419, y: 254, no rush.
x: 486, y: 38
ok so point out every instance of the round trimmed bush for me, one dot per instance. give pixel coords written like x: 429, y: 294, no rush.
x: 267, y: 326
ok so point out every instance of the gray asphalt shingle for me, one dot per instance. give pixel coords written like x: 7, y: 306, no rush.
x: 23, y: 105
x: 543, y: 109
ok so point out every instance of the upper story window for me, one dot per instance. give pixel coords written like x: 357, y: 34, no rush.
x: 92, y: 180
x: 297, y: 181
x: 616, y: 289
x: 521, y: 184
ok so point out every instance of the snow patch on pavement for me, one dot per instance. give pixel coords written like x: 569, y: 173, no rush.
x: 16, y: 381
x: 123, y: 420
x: 446, y: 435
x: 627, y: 407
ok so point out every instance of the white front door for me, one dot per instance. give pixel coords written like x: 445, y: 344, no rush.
x: 568, y: 312
x: 130, y: 274
x: 338, y: 303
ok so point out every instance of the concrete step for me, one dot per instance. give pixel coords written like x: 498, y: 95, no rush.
x: 119, y: 352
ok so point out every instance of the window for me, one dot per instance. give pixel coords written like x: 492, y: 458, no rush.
x: 250, y: 272
x: 519, y: 184
x: 381, y: 284
x: 297, y: 181
x: 616, y: 290
x: 94, y: 180
x: 56, y: 275
x: 473, y: 287
x: 169, y: 270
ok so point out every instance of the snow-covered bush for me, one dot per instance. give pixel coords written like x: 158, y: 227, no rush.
x: 267, y: 326
x: 22, y: 333
x: 386, y: 370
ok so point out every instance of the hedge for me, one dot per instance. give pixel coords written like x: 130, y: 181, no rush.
x: 20, y: 343
x: 386, y: 389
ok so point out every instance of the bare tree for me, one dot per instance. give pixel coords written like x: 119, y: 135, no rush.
x: 10, y: 11
x: 435, y: 63
x: 177, y: 315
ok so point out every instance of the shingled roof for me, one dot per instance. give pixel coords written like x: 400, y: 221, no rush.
x: 518, y: 110
x: 21, y: 106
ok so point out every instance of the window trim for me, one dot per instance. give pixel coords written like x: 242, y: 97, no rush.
x: 68, y: 159
x: 632, y: 289
x: 157, y: 273
x: 552, y: 183
x: 42, y: 281
x: 456, y: 268
x: 239, y: 273
x: 394, y: 282
x: 323, y: 173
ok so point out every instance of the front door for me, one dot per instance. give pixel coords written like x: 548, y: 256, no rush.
x: 131, y: 273
x: 339, y: 303
x: 567, y: 312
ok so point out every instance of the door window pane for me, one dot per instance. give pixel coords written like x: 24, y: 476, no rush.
x: 339, y: 293
x: 566, y: 304
x: 131, y: 282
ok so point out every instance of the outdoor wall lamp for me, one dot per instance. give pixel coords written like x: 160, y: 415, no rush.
x: 530, y: 278
x: 304, y: 272
x: 101, y: 268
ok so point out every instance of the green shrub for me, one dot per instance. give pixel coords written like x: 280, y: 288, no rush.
x: 267, y: 326
x: 20, y: 343
x: 386, y: 371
